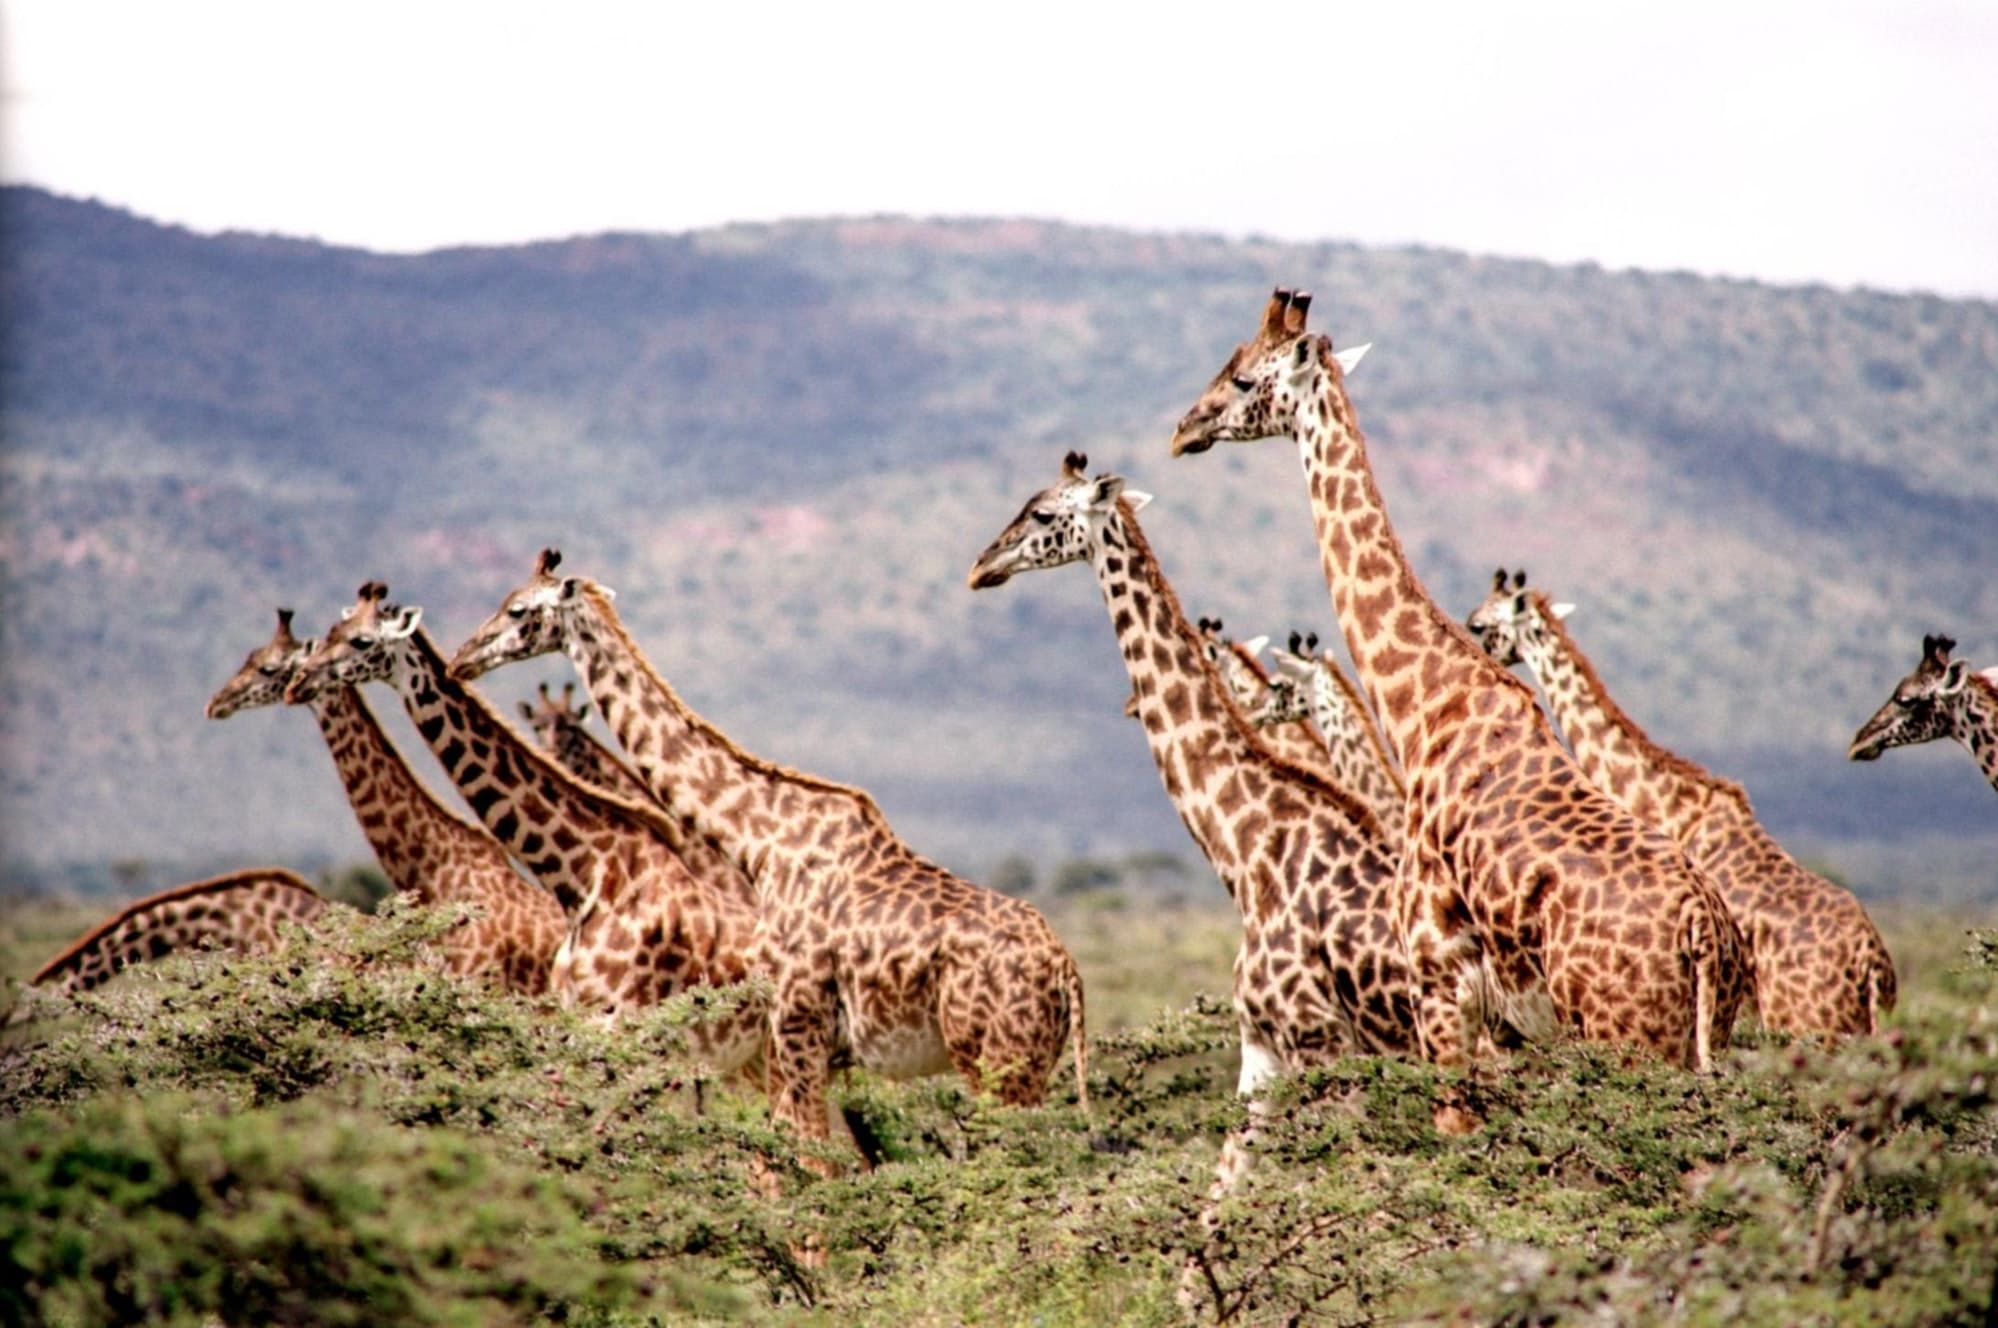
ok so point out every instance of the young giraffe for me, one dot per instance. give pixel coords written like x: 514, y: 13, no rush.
x: 641, y: 925
x: 1942, y: 698
x: 240, y: 911
x: 917, y: 970
x: 1320, y: 971
x: 1818, y: 962
x: 1297, y: 740
x: 561, y: 731
x: 425, y: 851
x: 1517, y: 876
x: 1313, y: 685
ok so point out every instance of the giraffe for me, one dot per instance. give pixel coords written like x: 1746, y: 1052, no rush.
x: 641, y: 925
x: 1818, y: 963
x: 1320, y: 971
x: 560, y: 728
x: 917, y: 970
x: 1517, y: 876
x: 1313, y: 684
x: 243, y: 910
x: 426, y: 852
x: 1297, y: 740
x: 1942, y: 698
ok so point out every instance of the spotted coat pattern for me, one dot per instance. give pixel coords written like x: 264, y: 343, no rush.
x: 559, y: 724
x: 1819, y: 963
x: 1317, y: 687
x: 1940, y: 699
x: 244, y: 910
x: 1518, y: 878
x: 872, y: 950
x: 1320, y: 971
x: 424, y: 850
x: 641, y: 926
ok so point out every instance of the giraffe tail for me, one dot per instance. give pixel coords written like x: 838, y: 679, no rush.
x: 1071, y: 981
x: 1712, y: 946
x: 1882, y: 988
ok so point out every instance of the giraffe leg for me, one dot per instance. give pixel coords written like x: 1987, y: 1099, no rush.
x: 1238, y: 1154
x: 800, y: 1051
x: 1443, y: 961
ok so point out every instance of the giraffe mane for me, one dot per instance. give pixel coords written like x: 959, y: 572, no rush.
x: 1357, y: 811
x: 1663, y: 757
x: 208, y: 885
x: 607, y: 613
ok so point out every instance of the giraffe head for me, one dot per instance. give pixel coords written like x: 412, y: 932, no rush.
x: 1237, y: 662
x: 1921, y: 709
x: 533, y: 620
x: 360, y: 648
x: 1257, y: 391
x: 266, y: 672
x: 553, y: 717
x: 1060, y: 524
x: 1289, y: 696
x: 1511, y: 618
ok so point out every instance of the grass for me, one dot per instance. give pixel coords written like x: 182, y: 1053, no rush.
x: 345, y: 1135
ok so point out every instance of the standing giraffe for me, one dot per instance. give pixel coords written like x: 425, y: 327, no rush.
x: 1296, y: 739
x: 425, y: 851
x: 920, y: 971
x: 1320, y: 970
x: 1312, y: 684
x: 1517, y: 876
x: 1942, y: 698
x: 642, y: 926
x: 576, y: 750
x: 1819, y: 964
x: 240, y: 911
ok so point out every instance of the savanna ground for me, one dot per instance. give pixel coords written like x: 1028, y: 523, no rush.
x: 344, y: 1136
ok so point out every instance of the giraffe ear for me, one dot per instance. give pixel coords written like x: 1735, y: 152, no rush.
x: 1990, y: 675
x: 1561, y: 610
x: 402, y: 625
x: 570, y: 586
x: 1954, y: 677
x: 1255, y: 645
x: 1349, y: 359
x: 1138, y: 499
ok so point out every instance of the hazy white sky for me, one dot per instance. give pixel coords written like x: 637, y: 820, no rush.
x: 1794, y: 140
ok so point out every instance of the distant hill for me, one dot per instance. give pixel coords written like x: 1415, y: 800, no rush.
x: 784, y: 444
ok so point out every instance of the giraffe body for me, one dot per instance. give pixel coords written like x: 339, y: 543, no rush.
x: 559, y: 725
x: 1316, y: 687
x: 243, y: 910
x: 641, y: 926
x: 426, y: 852
x: 873, y: 950
x: 1320, y: 971
x: 1517, y: 876
x: 1819, y: 964
x: 1942, y: 698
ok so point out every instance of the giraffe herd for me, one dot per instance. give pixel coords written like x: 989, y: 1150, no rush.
x: 1426, y: 864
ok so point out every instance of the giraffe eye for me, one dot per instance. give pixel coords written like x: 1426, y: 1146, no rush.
x: 268, y: 670
x: 1044, y: 517
x: 363, y: 643
x: 516, y: 610
x: 1243, y: 384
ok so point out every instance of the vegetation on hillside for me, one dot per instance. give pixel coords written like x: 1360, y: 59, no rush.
x: 346, y: 1135
x: 784, y: 443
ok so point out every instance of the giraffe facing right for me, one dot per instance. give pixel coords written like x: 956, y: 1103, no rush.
x: 1819, y: 963
x: 1517, y: 876
x: 243, y: 910
x: 1942, y: 698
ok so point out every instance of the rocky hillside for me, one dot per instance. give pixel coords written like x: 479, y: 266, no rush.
x: 784, y: 444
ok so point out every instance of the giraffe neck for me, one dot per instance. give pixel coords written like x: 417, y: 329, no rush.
x: 411, y: 833
x: 1213, y: 765
x: 752, y: 810
x: 1418, y: 665
x: 1360, y: 763
x: 1615, y: 754
x: 530, y: 805
x: 1974, y: 722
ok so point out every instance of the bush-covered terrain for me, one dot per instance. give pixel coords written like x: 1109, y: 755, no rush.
x: 344, y: 1135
